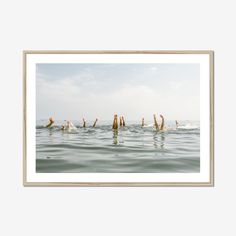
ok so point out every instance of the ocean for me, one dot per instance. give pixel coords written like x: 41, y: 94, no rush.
x: 130, y: 149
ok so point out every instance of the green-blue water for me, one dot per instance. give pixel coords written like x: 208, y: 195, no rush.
x: 131, y: 149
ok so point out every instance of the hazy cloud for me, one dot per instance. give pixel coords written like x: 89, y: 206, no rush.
x: 72, y: 91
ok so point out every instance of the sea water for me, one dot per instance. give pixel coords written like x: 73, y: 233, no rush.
x: 130, y: 149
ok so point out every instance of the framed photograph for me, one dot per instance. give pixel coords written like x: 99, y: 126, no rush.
x: 118, y: 118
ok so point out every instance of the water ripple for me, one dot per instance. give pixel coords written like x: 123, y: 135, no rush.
x: 131, y: 149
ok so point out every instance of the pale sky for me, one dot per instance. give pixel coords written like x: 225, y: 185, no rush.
x: 74, y: 91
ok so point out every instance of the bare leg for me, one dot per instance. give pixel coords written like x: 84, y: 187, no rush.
x: 142, y: 122
x: 115, y: 122
x: 95, y: 122
x: 123, y: 119
x: 162, y: 122
x: 155, y: 123
x: 51, y: 121
x: 49, y: 124
x: 84, y: 123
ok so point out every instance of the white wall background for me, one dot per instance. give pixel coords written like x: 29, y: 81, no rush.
x: 122, y: 24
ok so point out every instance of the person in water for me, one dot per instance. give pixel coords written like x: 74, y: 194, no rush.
x: 68, y: 126
x: 51, y: 121
x: 115, y: 122
x: 95, y: 122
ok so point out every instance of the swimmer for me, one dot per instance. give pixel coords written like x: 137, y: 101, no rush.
x: 115, y: 122
x: 176, y: 124
x: 123, y: 120
x: 84, y: 123
x: 51, y: 121
x: 95, y: 122
x: 142, y: 122
x: 155, y: 123
x: 69, y: 125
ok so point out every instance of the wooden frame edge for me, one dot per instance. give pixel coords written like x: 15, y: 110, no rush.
x: 24, y: 120
x: 116, y: 184
x: 212, y: 160
x: 118, y: 52
x: 211, y: 183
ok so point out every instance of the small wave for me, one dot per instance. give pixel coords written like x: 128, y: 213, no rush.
x: 188, y: 127
x: 40, y: 126
x: 148, y: 125
x: 130, y: 128
x: 44, y: 127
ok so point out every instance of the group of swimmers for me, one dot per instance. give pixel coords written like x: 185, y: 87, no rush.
x: 122, y: 122
x: 69, y: 125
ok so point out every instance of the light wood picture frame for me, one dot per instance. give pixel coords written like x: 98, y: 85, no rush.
x: 180, y: 154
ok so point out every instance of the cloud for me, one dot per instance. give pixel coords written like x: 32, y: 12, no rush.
x: 101, y: 92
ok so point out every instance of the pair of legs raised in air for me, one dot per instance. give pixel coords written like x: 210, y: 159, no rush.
x: 115, y: 121
x: 94, y: 124
x: 68, y: 124
x: 161, y: 127
x: 122, y: 121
